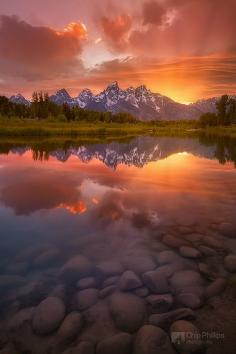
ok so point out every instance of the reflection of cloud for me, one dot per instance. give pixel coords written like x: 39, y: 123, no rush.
x: 38, y: 193
x: 76, y: 208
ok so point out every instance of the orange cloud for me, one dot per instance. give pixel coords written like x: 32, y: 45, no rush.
x: 116, y: 30
x: 35, y: 52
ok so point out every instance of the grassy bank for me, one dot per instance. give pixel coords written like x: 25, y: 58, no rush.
x: 30, y: 128
x: 36, y: 128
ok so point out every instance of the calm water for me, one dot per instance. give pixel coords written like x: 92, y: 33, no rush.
x: 111, y: 202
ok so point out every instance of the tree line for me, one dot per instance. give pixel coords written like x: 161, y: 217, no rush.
x: 41, y: 108
x: 225, y: 115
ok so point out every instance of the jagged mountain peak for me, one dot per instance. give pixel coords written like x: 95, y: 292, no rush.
x: 63, y: 92
x: 113, y: 85
x: 19, y: 99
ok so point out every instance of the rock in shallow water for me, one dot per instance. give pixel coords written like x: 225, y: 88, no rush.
x: 165, y: 320
x: 127, y: 310
x: 160, y: 303
x: 167, y: 257
x: 82, y: 348
x: 86, y: 298
x: 48, y: 315
x: 183, y: 279
x: 186, y: 338
x: 215, y: 288
x: 189, y: 252
x: 70, y: 327
x: 152, y: 340
x: 191, y: 300
x: 118, y: 344
x: 76, y: 268
x: 139, y: 263
x: 156, y: 282
x: 230, y: 263
x: 129, y: 281
x: 110, y: 268
x: 85, y: 283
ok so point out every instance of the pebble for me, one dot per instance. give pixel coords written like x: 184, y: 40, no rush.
x: 184, y: 279
x: 82, y: 348
x: 215, y: 288
x: 119, y: 344
x: 152, y: 340
x: 177, y: 331
x: 109, y: 268
x: 48, y: 315
x: 86, y: 298
x: 142, y: 292
x: 156, y: 282
x: 160, y: 303
x: 85, y: 283
x: 173, y: 241
x: 190, y: 300
x: 139, y: 263
x: 111, y: 281
x: 128, y: 311
x: 70, y: 327
x: 207, y: 251
x: 167, y: 257
x: 189, y: 252
x: 107, y: 291
x: 76, y: 268
x: 129, y: 281
x: 227, y: 229
x: 165, y: 320
x: 230, y: 263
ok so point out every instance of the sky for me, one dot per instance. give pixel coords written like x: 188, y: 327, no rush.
x: 184, y: 49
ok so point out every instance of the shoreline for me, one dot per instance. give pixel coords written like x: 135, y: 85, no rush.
x: 27, y: 128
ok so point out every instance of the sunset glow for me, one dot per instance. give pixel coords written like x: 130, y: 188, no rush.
x: 182, y: 49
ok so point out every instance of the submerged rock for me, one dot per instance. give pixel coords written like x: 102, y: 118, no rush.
x: 85, y: 283
x: 160, y: 303
x: 82, y: 348
x: 152, y: 340
x: 129, y: 281
x: 110, y: 268
x: 165, y: 320
x: 107, y: 291
x: 190, y: 344
x: 142, y: 292
x: 156, y: 282
x: 139, y: 263
x: 70, y: 327
x: 183, y: 279
x: 127, y: 310
x: 189, y: 252
x: 189, y: 299
x: 215, y: 288
x: 48, y: 315
x: 86, y: 298
x: 76, y: 268
x: 119, y: 344
x: 230, y: 263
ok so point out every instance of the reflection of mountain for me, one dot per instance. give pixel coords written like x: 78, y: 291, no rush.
x: 138, y: 152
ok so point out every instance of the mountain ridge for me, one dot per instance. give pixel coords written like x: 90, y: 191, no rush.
x: 141, y: 102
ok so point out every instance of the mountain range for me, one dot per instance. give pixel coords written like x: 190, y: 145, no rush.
x: 140, y: 102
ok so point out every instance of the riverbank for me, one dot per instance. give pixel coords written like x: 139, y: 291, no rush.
x: 36, y: 128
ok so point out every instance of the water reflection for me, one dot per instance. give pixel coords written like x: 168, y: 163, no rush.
x: 124, y: 202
